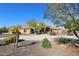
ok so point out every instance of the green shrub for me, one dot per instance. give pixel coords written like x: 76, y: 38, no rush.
x: 0, y: 31
x: 38, y: 32
x: 64, y: 40
x: 10, y: 39
x: 46, y: 43
x: 2, y: 42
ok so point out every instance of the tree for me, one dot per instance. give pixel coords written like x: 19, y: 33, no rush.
x: 71, y: 26
x: 64, y: 14
x: 33, y: 25
x: 14, y: 29
x: 42, y: 26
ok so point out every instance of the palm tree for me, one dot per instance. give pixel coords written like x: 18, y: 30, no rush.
x: 15, y: 31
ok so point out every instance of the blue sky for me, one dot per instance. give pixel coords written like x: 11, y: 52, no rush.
x: 13, y: 14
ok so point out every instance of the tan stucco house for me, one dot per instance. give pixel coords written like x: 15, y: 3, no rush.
x: 26, y: 31
x: 58, y: 30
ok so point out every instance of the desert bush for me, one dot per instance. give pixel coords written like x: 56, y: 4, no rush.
x: 51, y: 33
x: 2, y: 42
x: 0, y: 31
x: 46, y: 43
x: 38, y: 32
x: 10, y: 39
x: 64, y: 40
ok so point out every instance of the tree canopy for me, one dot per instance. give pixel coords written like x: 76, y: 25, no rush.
x: 72, y: 26
x: 36, y: 25
x: 62, y: 13
x: 42, y: 25
x: 66, y: 14
x: 32, y: 24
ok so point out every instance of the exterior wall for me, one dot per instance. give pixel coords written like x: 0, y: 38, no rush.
x: 25, y: 31
x: 29, y: 31
x: 59, y: 31
x: 9, y: 32
x: 21, y: 31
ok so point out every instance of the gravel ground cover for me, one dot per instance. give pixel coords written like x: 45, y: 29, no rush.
x: 34, y: 48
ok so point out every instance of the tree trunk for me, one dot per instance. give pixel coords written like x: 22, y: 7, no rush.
x: 44, y: 31
x: 17, y: 38
x: 76, y: 34
x: 34, y: 31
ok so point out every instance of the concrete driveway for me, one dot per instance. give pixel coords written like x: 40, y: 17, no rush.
x: 40, y: 37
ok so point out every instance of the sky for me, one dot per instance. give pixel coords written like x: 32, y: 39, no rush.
x: 13, y: 14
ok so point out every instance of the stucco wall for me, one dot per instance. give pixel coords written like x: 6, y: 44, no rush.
x: 25, y: 31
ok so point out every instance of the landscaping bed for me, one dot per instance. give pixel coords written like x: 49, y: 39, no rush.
x: 34, y: 48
